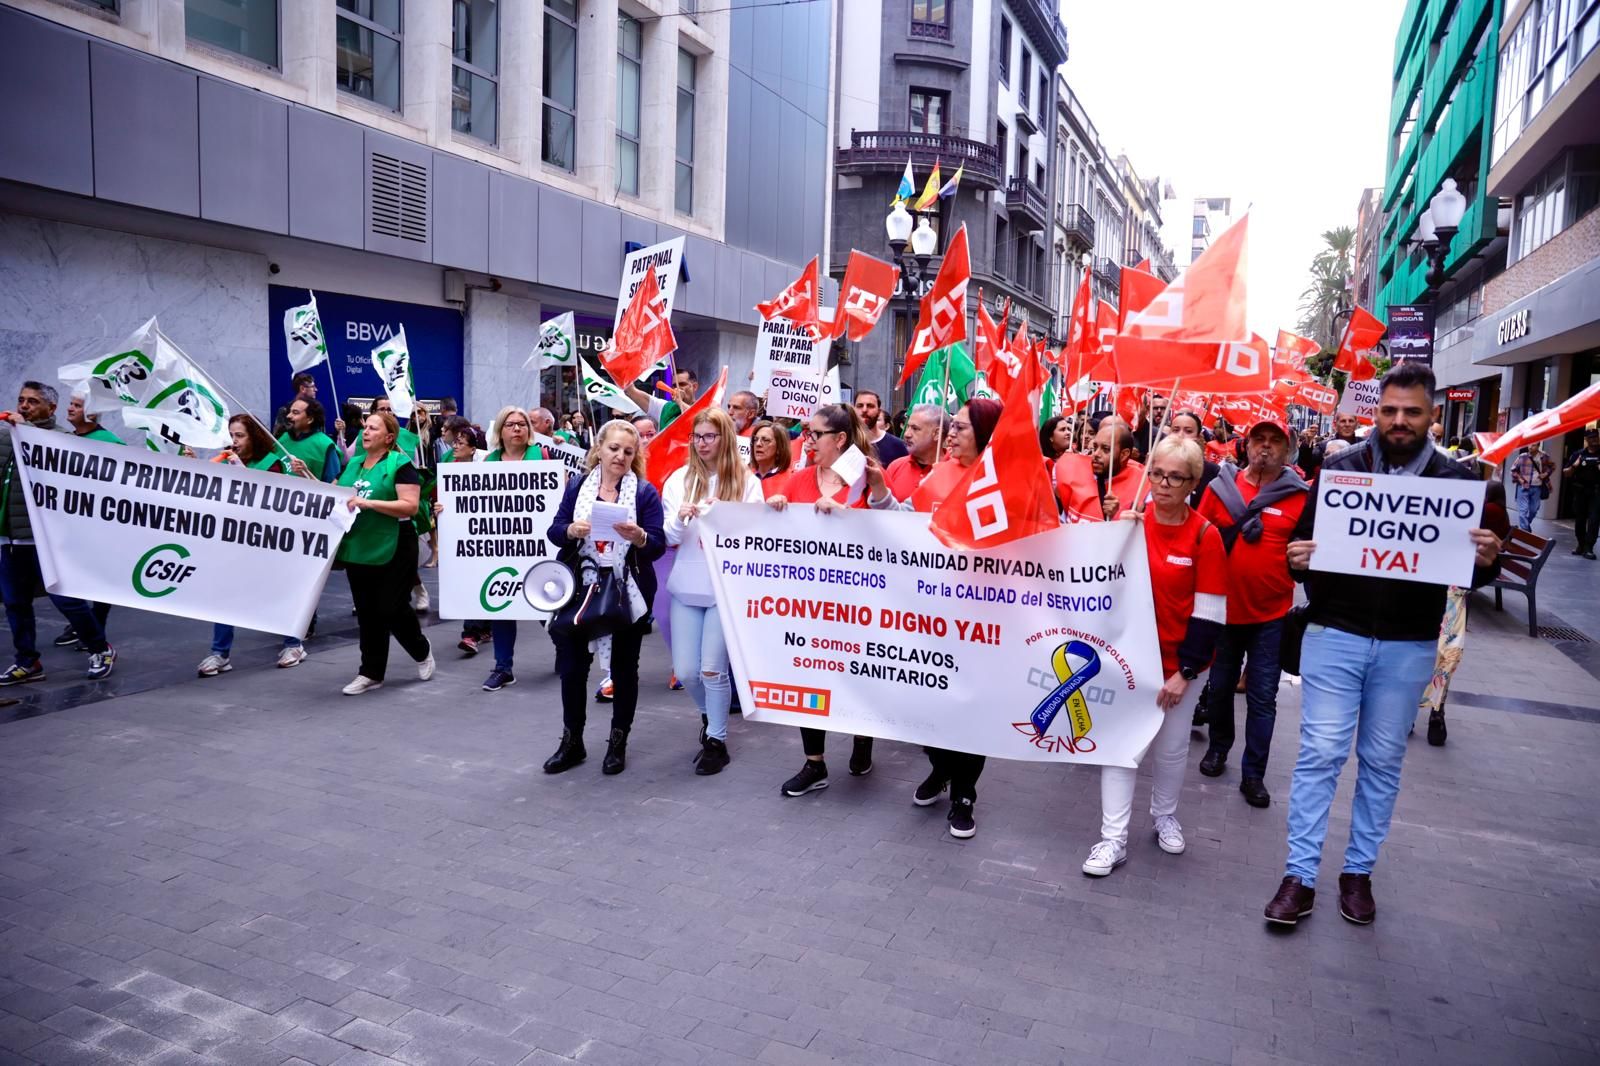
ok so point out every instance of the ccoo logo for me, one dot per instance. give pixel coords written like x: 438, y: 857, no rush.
x: 161, y: 566
x: 499, y: 589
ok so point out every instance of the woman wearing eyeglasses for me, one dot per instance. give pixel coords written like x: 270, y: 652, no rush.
x: 970, y: 431
x: 1189, y: 580
x: 770, y: 457
x: 834, y: 428
x: 509, y: 437
x: 699, y: 651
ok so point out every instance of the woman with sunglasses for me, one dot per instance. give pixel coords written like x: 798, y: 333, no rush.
x: 1189, y: 580
x: 699, y: 651
x: 834, y: 428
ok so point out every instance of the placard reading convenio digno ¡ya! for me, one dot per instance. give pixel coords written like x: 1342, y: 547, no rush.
x: 1386, y: 525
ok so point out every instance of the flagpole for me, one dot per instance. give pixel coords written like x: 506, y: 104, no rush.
x: 327, y: 357
x: 234, y: 399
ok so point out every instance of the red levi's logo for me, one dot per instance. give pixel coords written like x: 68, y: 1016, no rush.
x: 796, y: 698
x: 1180, y: 560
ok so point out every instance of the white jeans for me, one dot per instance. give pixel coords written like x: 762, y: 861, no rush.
x: 1168, y: 754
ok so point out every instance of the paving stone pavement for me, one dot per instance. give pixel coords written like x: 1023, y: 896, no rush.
x: 253, y: 869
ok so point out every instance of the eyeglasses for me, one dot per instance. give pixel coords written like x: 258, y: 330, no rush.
x: 705, y: 438
x: 964, y: 427
x: 1161, y: 477
x: 515, y: 425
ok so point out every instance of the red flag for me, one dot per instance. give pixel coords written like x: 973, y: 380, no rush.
x: 1128, y: 403
x: 943, y: 319
x: 799, y: 303
x: 1081, y: 338
x: 863, y: 295
x: 1015, y: 362
x: 1100, y: 358
x: 1078, y: 488
x: 1317, y: 396
x: 1205, y: 302
x: 1289, y: 361
x: 1143, y: 265
x: 1139, y: 288
x: 1360, y: 334
x: 1577, y: 410
x: 988, y: 339
x: 669, y: 449
x: 1006, y: 495
x: 643, y: 337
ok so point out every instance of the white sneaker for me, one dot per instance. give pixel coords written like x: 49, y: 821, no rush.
x: 212, y: 665
x: 425, y: 667
x: 293, y: 655
x: 1105, y: 857
x: 1169, y: 834
x: 419, y: 599
x: 361, y: 684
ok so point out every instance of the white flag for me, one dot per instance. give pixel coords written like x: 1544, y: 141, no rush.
x: 557, y: 344
x: 392, y: 361
x: 156, y: 387
x: 124, y: 377
x: 597, y: 389
x: 302, y: 336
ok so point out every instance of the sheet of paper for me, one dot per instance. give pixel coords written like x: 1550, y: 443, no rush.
x: 851, y: 466
x: 604, y: 518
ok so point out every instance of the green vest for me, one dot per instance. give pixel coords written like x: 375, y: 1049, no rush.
x: 272, y: 462
x: 669, y: 412
x: 97, y: 433
x: 311, y: 450
x: 406, y: 443
x: 374, y: 537
x: 496, y: 456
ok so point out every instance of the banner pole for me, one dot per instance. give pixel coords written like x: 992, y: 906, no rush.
x: 242, y: 409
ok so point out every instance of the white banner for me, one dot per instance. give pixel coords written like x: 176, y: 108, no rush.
x: 665, y: 259
x: 1360, y: 398
x: 863, y: 623
x: 783, y: 346
x: 1386, y: 525
x: 492, y: 529
x: 218, y: 542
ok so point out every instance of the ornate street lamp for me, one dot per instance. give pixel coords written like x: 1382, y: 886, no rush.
x: 913, y: 268
x: 1438, y: 226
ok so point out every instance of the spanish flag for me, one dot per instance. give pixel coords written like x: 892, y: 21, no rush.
x: 930, y: 191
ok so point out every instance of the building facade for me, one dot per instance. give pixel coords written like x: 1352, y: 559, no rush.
x: 464, y: 169
x: 1211, y: 215
x: 1364, y: 267
x: 1091, y: 212
x: 958, y: 85
x: 1142, y: 233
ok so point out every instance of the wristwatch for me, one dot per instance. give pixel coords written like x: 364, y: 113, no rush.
x: 1188, y: 673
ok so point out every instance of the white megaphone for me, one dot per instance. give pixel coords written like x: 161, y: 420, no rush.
x: 549, y: 585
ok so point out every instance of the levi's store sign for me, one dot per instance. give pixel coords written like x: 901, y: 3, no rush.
x: 1461, y: 395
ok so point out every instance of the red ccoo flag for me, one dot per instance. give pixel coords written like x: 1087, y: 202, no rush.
x: 1577, y: 410
x: 643, y: 337
x: 800, y: 303
x: 1006, y: 495
x: 863, y: 295
x: 669, y: 449
x: 1138, y: 289
x: 1081, y: 338
x: 1289, y: 361
x: 988, y: 340
x: 1205, y: 302
x: 1360, y: 334
x: 943, y: 320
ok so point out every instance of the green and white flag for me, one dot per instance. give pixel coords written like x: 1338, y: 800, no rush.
x: 947, y: 388
x: 123, y: 377
x: 302, y: 336
x: 392, y: 361
x: 597, y: 389
x: 982, y: 388
x: 1050, y: 402
x: 557, y: 344
x: 156, y: 387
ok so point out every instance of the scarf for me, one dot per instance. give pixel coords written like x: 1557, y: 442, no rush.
x: 609, y: 553
x: 1247, y: 518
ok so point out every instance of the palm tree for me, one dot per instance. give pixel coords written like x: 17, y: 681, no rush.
x: 1329, y: 289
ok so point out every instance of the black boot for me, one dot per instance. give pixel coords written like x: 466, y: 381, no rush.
x: 1436, y: 729
x: 713, y: 757
x: 616, y: 759
x: 569, y: 753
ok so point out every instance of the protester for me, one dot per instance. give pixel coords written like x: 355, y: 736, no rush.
x: 1151, y: 418
x: 645, y: 426
x: 543, y: 422
x: 970, y: 431
x: 86, y: 425
x: 744, y: 407
x: 1255, y: 509
x: 1055, y: 437
x: 1531, y: 472
x: 313, y: 452
x: 1186, y: 424
x: 615, y: 475
x: 1188, y: 578
x: 770, y: 457
x: 1220, y: 447
x: 1345, y: 426
x: 1098, y: 486
x: 886, y: 446
x: 253, y: 448
x: 510, y: 441
x: 379, y: 552
x: 927, y: 431
x: 1368, y: 653
x: 579, y: 433
x: 1583, y: 482
x: 699, y: 650
x: 20, y: 577
x: 834, y: 429
x: 464, y: 448
x: 305, y: 388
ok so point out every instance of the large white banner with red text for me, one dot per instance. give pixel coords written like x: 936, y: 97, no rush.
x: 861, y: 622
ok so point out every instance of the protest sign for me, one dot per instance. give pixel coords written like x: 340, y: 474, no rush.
x: 570, y: 456
x: 794, y: 395
x: 213, y: 541
x: 1044, y: 649
x: 493, y: 527
x: 1360, y: 398
x: 783, y: 345
x: 665, y: 259
x: 1386, y: 525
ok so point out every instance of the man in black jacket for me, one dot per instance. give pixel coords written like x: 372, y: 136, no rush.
x: 1368, y: 654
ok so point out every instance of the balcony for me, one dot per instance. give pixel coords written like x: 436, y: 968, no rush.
x: 1079, y: 224
x: 1108, y: 273
x: 1027, y: 205
x: 930, y: 31
x: 873, y: 151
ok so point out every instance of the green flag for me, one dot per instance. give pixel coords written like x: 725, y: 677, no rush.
x: 947, y: 378
x: 1050, y: 404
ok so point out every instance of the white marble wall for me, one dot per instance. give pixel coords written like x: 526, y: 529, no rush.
x: 70, y: 292
x: 500, y: 331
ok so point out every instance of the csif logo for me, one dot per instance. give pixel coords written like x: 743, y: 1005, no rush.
x: 499, y: 589
x: 161, y: 566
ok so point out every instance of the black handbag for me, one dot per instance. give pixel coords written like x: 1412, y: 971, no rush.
x: 597, y: 609
x: 1294, y: 634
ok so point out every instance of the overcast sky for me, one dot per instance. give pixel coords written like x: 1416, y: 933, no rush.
x: 1279, y: 103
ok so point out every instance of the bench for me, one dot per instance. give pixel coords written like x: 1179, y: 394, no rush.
x: 1521, y: 558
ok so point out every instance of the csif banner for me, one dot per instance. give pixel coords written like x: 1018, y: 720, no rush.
x: 862, y: 622
x: 492, y: 528
x: 213, y: 541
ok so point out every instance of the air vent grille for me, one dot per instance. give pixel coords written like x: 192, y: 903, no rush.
x: 399, y: 199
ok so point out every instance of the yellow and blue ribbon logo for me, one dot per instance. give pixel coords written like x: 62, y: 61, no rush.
x: 1075, y: 663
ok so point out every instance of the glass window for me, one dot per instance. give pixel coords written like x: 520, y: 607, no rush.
x: 684, y: 186
x: 1000, y: 143
x: 247, y: 27
x: 475, y: 72
x: 560, y: 123
x: 367, y: 47
x: 927, y: 10
x: 927, y: 111
x: 629, y: 58
x: 1042, y: 103
x: 1027, y: 76
x: 1005, y: 50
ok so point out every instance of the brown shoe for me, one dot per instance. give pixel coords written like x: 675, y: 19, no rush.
x: 1355, y: 898
x: 1292, y: 902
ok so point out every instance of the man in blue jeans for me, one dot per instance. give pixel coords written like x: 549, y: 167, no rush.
x: 1530, y: 473
x: 1368, y: 654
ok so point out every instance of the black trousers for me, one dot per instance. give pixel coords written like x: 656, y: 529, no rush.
x: 1586, y: 515
x: 815, y: 741
x: 382, y: 596
x: 573, y: 659
x: 960, y: 768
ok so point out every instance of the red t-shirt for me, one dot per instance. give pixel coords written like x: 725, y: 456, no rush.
x: 802, y: 488
x: 1259, y: 586
x: 1184, y: 560
x: 904, y: 475
x: 774, y: 483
